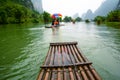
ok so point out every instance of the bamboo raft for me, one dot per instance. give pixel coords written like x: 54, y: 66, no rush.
x: 64, y: 61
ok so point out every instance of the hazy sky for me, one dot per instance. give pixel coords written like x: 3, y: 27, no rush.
x: 70, y: 7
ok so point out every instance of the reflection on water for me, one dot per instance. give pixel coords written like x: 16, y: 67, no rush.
x: 24, y: 47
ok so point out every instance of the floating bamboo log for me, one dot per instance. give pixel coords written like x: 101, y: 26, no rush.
x: 64, y: 61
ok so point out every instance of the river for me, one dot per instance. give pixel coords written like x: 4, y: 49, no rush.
x: 23, y: 48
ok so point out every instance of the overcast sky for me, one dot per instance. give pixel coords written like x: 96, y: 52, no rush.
x: 70, y: 7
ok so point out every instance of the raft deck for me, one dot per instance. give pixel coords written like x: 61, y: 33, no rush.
x: 64, y: 61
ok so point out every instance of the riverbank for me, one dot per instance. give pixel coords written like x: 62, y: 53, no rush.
x: 109, y: 24
x: 113, y: 24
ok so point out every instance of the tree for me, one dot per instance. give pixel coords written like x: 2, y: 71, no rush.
x: 78, y: 19
x: 46, y: 17
x: 114, y: 16
x: 3, y: 16
x: 87, y: 21
x: 99, y: 19
x: 67, y: 19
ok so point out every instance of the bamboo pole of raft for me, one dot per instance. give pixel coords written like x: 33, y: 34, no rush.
x: 47, y: 60
x: 76, y: 61
x: 95, y: 74
x: 81, y: 69
x: 85, y: 67
x: 48, y: 70
x: 78, y: 77
x: 69, y: 68
x: 59, y: 62
x: 66, y: 57
x: 51, y: 63
x: 40, y: 77
x: 54, y: 71
x: 87, y: 71
x: 63, y: 63
x: 53, y: 75
x: 72, y: 59
x: 63, y: 43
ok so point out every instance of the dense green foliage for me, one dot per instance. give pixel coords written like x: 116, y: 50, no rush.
x: 87, y: 21
x: 78, y: 19
x: 67, y: 19
x: 25, y: 3
x: 113, y: 16
x: 100, y: 19
x: 47, y: 17
x: 16, y: 13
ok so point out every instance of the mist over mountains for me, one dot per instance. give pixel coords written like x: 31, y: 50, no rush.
x: 76, y: 15
x: 37, y: 5
x: 88, y: 15
x: 103, y: 10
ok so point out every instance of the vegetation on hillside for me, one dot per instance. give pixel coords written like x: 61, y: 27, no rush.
x: 15, y: 13
x: 25, y: 3
x: 113, y: 16
x: 11, y: 12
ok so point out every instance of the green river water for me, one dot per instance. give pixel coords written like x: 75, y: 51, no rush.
x: 23, y: 48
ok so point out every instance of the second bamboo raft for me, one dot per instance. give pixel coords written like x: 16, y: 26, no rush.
x: 64, y: 61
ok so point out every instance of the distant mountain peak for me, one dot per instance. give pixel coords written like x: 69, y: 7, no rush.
x: 76, y: 15
x: 106, y: 7
x: 88, y: 15
x: 103, y: 10
x: 118, y: 5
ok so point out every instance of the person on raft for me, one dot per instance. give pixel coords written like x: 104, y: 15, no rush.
x: 55, y: 23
